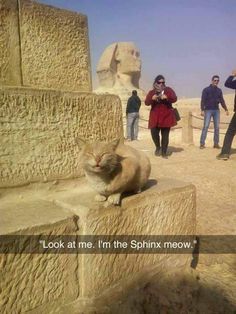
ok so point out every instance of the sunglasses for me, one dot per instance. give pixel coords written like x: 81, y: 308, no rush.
x: 161, y: 82
x: 216, y: 80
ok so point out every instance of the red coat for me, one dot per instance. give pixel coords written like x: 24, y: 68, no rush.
x: 161, y: 114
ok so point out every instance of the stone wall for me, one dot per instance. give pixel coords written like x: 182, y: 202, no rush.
x: 43, y: 47
x: 39, y: 127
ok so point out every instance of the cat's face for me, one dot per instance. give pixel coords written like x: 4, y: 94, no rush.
x: 99, y: 157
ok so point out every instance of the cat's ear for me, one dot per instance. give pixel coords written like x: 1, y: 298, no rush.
x: 80, y: 142
x: 115, y: 143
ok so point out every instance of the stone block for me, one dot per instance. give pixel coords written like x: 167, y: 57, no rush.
x: 43, y: 47
x: 10, y: 59
x: 29, y: 281
x: 168, y: 208
x: 39, y: 127
x: 54, y: 48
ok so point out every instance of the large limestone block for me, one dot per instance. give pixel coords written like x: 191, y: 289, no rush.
x: 168, y: 208
x: 39, y: 127
x: 10, y: 64
x: 29, y: 281
x: 54, y: 48
x: 170, y: 211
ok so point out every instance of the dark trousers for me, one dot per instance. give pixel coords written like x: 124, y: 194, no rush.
x: 155, y: 132
x: 229, y: 136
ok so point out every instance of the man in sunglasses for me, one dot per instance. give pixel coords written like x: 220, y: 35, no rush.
x: 231, y: 131
x: 211, y: 97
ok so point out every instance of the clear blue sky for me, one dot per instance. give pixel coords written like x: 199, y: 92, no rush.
x: 187, y: 41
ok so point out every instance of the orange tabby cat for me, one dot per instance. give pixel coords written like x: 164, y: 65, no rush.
x: 113, y: 168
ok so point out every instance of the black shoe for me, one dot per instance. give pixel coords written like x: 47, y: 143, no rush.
x: 157, y: 152
x: 223, y: 156
x: 216, y: 146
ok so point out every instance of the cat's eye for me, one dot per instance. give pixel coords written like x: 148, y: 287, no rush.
x: 104, y: 154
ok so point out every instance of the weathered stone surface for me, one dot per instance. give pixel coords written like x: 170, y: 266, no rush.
x: 55, y: 48
x: 10, y: 67
x: 28, y: 281
x: 39, y: 127
x: 44, y: 47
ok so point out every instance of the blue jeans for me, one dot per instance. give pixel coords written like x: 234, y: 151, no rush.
x: 215, y: 114
x: 132, y: 125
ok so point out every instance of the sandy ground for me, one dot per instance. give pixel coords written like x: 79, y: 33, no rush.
x: 214, y: 179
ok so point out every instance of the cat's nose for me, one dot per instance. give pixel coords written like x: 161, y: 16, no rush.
x: 97, y: 159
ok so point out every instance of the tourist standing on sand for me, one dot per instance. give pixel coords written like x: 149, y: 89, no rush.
x: 132, y: 115
x: 162, y: 117
x: 231, y: 131
x: 211, y: 97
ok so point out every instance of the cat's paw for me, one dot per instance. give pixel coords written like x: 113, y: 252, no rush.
x: 114, y: 199
x: 100, y: 198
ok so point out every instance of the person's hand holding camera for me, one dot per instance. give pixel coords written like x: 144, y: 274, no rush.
x: 155, y: 97
x: 159, y: 96
x: 163, y: 96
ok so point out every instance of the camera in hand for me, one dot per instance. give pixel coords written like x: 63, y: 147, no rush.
x: 159, y: 94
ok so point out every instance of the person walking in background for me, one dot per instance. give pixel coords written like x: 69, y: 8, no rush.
x: 211, y: 97
x: 132, y: 116
x: 161, y: 117
x: 231, y: 131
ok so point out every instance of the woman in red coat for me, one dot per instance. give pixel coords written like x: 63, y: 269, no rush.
x: 162, y: 117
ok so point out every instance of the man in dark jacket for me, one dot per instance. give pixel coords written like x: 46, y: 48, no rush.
x: 231, y: 131
x: 211, y: 97
x: 132, y: 115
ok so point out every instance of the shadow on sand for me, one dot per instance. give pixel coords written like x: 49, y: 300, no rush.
x: 181, y: 294
x: 172, y: 293
x: 172, y: 149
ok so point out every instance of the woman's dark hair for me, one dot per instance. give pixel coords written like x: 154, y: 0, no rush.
x: 158, y: 78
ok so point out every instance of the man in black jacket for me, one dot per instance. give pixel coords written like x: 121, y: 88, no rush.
x: 231, y: 131
x: 132, y: 114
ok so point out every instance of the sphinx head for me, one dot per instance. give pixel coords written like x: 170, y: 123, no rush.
x: 119, y: 60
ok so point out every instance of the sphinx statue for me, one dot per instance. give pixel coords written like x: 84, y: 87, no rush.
x: 119, y: 71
